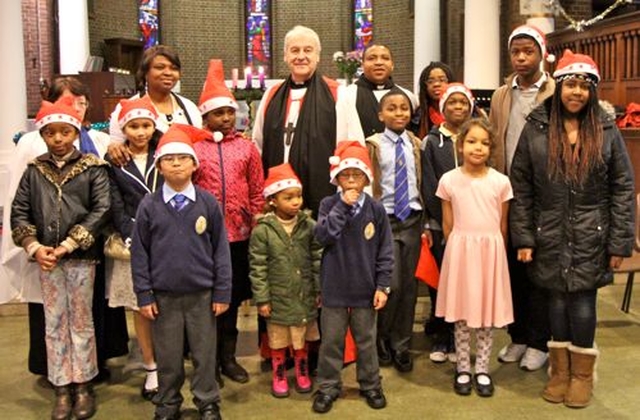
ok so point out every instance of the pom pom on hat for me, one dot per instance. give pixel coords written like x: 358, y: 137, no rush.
x: 179, y: 139
x: 215, y: 93
x: 537, y: 35
x: 452, y: 88
x: 572, y: 64
x: 131, y: 109
x: 63, y: 110
x: 280, y: 178
x: 350, y: 154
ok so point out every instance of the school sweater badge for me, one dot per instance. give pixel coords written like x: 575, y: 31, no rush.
x: 369, y: 231
x: 201, y: 225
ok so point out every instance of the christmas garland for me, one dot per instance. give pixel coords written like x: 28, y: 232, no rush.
x: 579, y: 26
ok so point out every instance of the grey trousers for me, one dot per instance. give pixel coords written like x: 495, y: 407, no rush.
x: 334, y: 322
x: 178, y: 313
x: 395, y: 321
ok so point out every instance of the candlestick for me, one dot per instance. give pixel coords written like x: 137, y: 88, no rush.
x: 234, y: 78
x: 247, y: 77
x: 261, y: 76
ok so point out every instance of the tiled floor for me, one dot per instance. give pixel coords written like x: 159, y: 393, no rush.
x: 424, y: 393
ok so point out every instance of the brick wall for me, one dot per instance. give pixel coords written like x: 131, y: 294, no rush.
x: 38, y: 48
x: 393, y: 26
x: 112, y: 19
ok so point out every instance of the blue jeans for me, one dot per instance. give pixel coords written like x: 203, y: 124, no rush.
x: 572, y: 317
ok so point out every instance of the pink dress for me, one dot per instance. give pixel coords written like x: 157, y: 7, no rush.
x: 474, y: 278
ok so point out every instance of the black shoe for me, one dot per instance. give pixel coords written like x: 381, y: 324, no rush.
x: 375, y: 398
x: 462, y: 388
x: 483, y: 390
x: 148, y: 394
x: 235, y: 372
x: 219, y: 379
x: 175, y: 416
x: 384, y: 353
x: 322, y: 402
x: 210, y: 412
x: 403, y: 361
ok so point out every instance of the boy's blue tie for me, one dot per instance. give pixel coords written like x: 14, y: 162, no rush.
x: 401, y: 196
x: 179, y: 201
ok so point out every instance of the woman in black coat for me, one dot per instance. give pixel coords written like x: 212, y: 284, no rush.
x: 572, y: 217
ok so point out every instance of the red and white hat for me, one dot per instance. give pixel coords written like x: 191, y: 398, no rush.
x: 63, y: 110
x: 280, y: 178
x: 350, y: 154
x: 573, y: 64
x: 215, y: 93
x: 179, y: 139
x: 132, y: 109
x: 452, y: 88
x: 537, y: 35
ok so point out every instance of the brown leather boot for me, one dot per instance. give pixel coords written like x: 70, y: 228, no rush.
x: 582, y: 364
x: 62, y: 408
x: 559, y: 374
x: 85, y: 405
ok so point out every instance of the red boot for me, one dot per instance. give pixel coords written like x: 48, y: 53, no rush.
x: 303, y: 381
x: 280, y: 386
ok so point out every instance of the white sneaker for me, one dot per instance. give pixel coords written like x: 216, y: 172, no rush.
x: 533, y: 359
x: 511, y: 353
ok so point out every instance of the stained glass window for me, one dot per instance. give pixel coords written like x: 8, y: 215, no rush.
x: 258, y: 36
x: 363, y: 23
x: 148, y: 22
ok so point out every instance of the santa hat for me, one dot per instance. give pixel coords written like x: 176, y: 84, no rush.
x: 280, y: 178
x: 179, y: 139
x: 215, y: 93
x: 131, y: 109
x: 573, y: 64
x: 452, y: 88
x: 62, y: 110
x: 350, y: 154
x: 537, y: 35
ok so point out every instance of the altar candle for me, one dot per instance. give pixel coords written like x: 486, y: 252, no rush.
x: 234, y: 78
x: 261, y: 76
x: 247, y: 77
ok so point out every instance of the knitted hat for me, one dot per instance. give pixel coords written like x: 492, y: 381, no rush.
x: 452, y: 88
x: 280, y: 178
x: 573, y: 64
x: 537, y: 35
x: 136, y: 108
x: 62, y: 110
x: 215, y: 93
x: 350, y: 154
x: 179, y: 139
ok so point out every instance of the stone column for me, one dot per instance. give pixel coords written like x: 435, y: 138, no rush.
x: 426, y: 36
x: 482, y: 44
x: 73, y: 31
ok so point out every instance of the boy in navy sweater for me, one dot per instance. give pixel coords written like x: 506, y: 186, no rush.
x: 181, y: 268
x: 355, y: 276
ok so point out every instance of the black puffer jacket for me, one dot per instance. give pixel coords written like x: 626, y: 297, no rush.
x: 573, y: 229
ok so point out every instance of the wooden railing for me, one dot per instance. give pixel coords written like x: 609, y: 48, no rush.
x: 614, y: 44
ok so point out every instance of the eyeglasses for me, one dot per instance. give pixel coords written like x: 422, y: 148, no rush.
x: 355, y: 175
x: 174, y: 158
x: 433, y: 81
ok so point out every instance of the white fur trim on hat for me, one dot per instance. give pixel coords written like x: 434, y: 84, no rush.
x: 61, y: 117
x: 577, y: 68
x: 346, y: 164
x: 218, y: 102
x: 176, y: 148
x: 135, y: 114
x: 281, y: 185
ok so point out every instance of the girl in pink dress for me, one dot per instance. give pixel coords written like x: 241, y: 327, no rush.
x: 474, y: 290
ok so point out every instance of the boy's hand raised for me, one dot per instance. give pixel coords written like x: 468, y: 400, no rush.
x: 219, y: 308
x: 350, y: 197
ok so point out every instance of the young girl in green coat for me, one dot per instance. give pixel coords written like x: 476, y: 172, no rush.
x: 285, y: 266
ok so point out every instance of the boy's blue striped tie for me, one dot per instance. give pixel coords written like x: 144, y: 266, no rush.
x: 401, y: 196
x: 179, y: 201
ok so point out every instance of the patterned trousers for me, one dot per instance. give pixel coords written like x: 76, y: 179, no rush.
x: 484, y: 342
x: 67, y: 293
